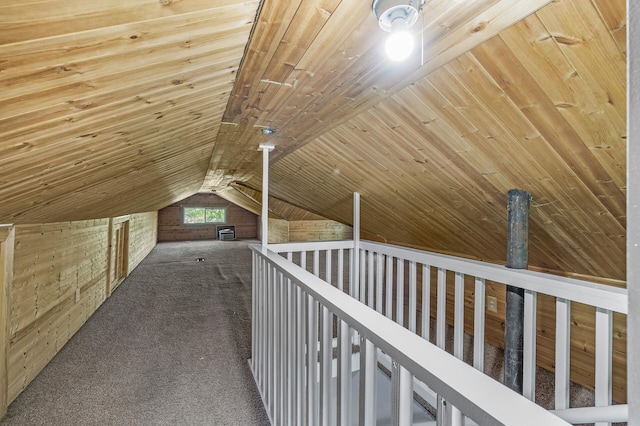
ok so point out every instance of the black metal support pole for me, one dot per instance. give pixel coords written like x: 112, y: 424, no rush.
x: 517, y: 258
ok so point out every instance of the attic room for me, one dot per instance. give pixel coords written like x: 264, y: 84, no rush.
x: 289, y: 115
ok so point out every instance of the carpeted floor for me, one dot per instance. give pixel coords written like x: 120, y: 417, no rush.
x: 170, y: 347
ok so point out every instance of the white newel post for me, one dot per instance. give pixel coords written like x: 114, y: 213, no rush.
x: 633, y: 211
x: 266, y: 149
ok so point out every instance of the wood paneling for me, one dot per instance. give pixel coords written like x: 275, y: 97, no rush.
x: 171, y: 228
x: 434, y: 162
x: 7, y: 242
x: 318, y: 230
x: 110, y: 108
x: 278, y: 231
x: 59, y: 280
x: 582, y: 330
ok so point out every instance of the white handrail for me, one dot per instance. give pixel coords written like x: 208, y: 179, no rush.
x: 588, y: 293
x: 476, y: 395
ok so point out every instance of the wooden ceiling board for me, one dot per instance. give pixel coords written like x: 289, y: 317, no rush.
x: 278, y: 207
x: 342, y: 71
x: 434, y: 161
x: 111, y: 107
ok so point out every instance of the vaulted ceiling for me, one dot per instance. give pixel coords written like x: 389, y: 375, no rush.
x: 112, y: 107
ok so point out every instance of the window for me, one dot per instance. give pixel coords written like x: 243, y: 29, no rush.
x: 202, y: 215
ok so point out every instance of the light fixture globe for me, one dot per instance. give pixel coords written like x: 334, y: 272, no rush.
x: 399, y: 45
x: 396, y: 16
x: 388, y: 11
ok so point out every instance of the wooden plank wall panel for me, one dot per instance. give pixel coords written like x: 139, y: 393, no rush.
x: 171, y: 228
x: 7, y: 245
x: 143, y: 235
x: 318, y: 230
x: 52, y: 262
x: 278, y: 231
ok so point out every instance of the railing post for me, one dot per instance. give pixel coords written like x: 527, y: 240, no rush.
x: 266, y: 149
x: 517, y: 258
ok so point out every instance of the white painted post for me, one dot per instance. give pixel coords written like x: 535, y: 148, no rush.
x: 266, y: 149
x: 368, y: 366
x: 379, y: 281
x: 355, y: 259
x: 426, y: 301
x: 400, y: 291
x: 388, y: 312
x: 413, y: 303
x: 458, y: 315
x: 441, y: 313
x: 633, y: 209
x: 344, y: 374
x: 529, y: 345
x: 604, y: 357
x: 478, y: 324
x: 563, y: 340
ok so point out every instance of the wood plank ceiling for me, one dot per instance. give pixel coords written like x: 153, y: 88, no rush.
x: 110, y: 108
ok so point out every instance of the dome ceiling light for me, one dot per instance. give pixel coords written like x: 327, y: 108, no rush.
x: 396, y: 17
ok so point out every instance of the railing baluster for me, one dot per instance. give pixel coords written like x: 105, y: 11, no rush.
x: 312, y: 361
x: 563, y: 343
x: 270, y: 343
x: 370, y: 280
x: 379, y: 281
x: 478, y: 324
x: 529, y: 346
x: 441, y: 313
x: 327, y: 270
x: 284, y: 349
x: 303, y: 260
x: 277, y: 347
x: 326, y: 349
x: 458, y: 314
x: 316, y: 263
x: 413, y: 304
x: 388, y: 311
x: 363, y: 277
x: 426, y: 302
x: 344, y: 374
x: 400, y: 292
x: 301, y: 385
x: 368, y: 367
x: 341, y: 269
x: 604, y: 356
x: 402, y: 395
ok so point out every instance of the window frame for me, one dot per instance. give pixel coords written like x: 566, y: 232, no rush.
x: 204, y: 223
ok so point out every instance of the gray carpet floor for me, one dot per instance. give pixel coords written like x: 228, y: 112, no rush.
x: 169, y: 347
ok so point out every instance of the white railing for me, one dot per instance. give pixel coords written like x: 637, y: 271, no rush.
x: 297, y: 314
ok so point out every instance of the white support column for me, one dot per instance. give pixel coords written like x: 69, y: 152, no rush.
x: 633, y: 209
x: 266, y: 149
x: 355, y: 259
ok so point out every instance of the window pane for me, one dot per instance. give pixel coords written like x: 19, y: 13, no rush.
x: 194, y: 214
x: 215, y: 215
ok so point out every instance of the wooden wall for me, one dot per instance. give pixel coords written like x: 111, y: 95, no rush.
x: 60, y: 277
x: 278, y: 231
x: 582, y: 331
x: 170, y: 227
x: 318, y: 230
